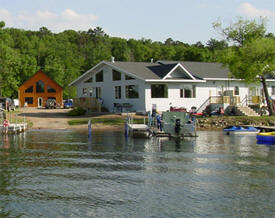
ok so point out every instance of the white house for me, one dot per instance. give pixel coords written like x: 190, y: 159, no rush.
x: 142, y: 86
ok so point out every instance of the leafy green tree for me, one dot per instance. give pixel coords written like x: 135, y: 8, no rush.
x: 242, y: 30
x: 214, y: 44
x: 120, y: 49
x: 253, y: 56
x: 9, y: 71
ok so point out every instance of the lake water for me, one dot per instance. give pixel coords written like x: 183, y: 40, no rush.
x: 62, y: 174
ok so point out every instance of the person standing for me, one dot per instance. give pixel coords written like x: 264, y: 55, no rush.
x: 6, y: 124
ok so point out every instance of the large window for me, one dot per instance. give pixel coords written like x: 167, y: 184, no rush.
x: 131, y: 91
x: 188, y: 92
x: 40, y: 86
x: 272, y: 90
x: 116, y: 75
x: 117, y: 92
x: 159, y: 91
x: 29, y: 100
x: 99, y: 76
x: 51, y: 89
x: 29, y: 90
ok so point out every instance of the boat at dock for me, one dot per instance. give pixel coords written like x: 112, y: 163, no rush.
x: 232, y: 130
x: 171, y: 124
x: 178, y: 124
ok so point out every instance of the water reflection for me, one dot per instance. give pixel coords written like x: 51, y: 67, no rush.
x: 64, y: 174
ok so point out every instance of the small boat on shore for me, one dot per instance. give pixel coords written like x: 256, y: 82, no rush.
x: 241, y: 130
x: 266, y: 137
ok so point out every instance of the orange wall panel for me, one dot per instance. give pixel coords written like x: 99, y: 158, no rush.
x: 45, y: 95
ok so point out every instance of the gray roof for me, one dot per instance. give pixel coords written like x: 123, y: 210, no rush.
x: 203, y: 69
x: 158, y: 70
x: 144, y: 70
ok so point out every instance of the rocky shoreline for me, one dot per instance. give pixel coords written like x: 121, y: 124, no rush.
x: 216, y: 123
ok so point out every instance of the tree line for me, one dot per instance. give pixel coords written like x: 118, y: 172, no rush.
x: 66, y: 55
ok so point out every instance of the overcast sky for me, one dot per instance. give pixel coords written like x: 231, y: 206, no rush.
x: 188, y: 21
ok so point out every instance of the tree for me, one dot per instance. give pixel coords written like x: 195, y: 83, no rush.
x: 214, y: 44
x: 253, y: 56
x: 2, y: 24
x: 243, y: 30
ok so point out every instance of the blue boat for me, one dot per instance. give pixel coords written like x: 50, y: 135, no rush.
x: 241, y: 130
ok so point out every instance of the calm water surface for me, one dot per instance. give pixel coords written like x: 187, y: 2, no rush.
x: 62, y: 174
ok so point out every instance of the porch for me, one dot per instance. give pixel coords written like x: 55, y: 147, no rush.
x: 213, y: 103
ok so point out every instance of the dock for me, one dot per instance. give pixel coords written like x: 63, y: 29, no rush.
x: 15, y: 128
x: 266, y: 128
x: 165, y: 127
x: 263, y: 128
x: 139, y: 130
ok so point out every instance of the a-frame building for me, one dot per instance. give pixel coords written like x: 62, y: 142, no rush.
x: 38, y: 89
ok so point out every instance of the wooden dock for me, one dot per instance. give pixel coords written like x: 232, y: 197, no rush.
x: 139, y: 130
x: 15, y: 128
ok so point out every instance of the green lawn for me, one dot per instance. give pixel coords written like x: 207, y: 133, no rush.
x: 105, y: 121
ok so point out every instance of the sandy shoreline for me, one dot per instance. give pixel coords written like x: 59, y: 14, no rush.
x: 58, y: 119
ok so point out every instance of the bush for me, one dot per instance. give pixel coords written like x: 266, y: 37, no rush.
x: 77, y: 111
x: 104, y: 109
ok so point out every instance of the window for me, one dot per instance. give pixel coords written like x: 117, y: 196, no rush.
x: 89, y: 80
x: 91, y: 90
x: 98, y: 92
x: 159, y: 91
x: 128, y: 77
x: 84, y: 91
x: 40, y: 86
x: 272, y: 90
x: 116, y: 75
x: 117, y: 92
x: 181, y: 93
x: 236, y: 90
x: 29, y: 90
x: 99, y: 76
x: 50, y: 89
x: 131, y: 91
x: 188, y: 92
x: 29, y: 100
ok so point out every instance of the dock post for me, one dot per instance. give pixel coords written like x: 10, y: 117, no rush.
x: 126, y: 131
x: 89, y: 129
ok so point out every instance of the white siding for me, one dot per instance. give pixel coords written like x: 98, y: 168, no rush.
x: 144, y: 103
x: 203, y: 92
x: 108, y: 90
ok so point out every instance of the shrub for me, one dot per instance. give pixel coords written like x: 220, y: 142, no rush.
x: 77, y: 111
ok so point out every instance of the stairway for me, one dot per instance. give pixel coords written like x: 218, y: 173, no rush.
x: 246, y: 111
